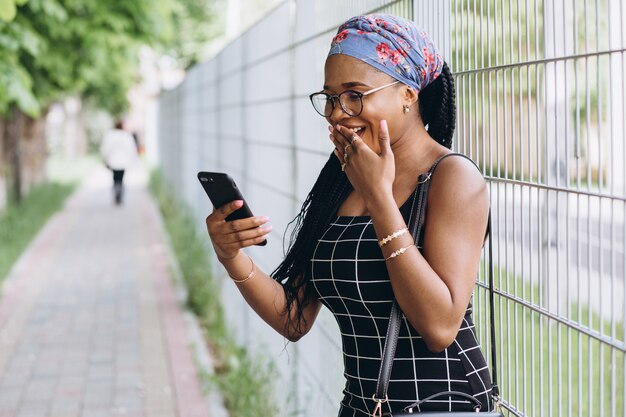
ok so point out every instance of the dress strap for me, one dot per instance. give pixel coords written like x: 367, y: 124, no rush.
x: 421, y: 195
x: 426, y: 176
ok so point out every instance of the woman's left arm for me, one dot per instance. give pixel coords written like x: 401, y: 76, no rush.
x: 433, y: 289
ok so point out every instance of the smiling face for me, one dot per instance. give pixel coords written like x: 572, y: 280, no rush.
x: 343, y: 72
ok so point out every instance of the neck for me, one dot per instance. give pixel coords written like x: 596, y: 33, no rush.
x: 415, y: 152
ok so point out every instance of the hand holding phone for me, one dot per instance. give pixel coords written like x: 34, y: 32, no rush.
x: 221, y: 189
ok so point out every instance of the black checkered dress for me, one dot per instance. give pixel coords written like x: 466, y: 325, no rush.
x: 351, y: 279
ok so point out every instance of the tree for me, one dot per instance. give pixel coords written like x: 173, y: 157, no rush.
x: 50, y: 49
x: 16, y: 84
x: 195, y: 23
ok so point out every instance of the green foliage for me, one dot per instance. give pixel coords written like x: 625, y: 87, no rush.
x: 16, y: 83
x: 85, y: 47
x: 8, y: 9
x: 194, y: 24
x: 246, y: 384
x: 52, y: 48
x: 19, y: 224
x: 242, y: 379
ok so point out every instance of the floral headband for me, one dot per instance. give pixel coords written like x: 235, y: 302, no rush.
x: 394, y: 45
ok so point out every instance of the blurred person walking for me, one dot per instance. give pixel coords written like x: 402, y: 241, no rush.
x: 119, y: 151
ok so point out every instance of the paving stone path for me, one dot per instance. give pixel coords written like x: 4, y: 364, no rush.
x: 90, y: 324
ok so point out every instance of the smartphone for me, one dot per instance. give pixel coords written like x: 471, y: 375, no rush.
x: 221, y: 189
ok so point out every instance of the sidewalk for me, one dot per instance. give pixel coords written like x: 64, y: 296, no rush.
x: 90, y: 324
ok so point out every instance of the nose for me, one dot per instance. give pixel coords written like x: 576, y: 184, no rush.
x: 337, y: 114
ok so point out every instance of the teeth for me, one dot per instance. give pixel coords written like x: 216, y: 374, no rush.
x: 357, y: 129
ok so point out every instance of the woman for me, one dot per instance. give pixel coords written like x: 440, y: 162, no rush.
x: 384, y: 83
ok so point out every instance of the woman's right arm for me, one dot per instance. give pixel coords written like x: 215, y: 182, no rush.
x: 262, y: 292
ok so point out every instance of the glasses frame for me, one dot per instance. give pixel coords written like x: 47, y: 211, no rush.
x: 337, y: 98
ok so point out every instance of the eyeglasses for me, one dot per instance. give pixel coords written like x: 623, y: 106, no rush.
x: 351, y: 101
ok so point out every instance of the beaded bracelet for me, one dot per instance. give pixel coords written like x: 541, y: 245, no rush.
x: 392, y: 236
x: 398, y: 252
x: 241, y: 281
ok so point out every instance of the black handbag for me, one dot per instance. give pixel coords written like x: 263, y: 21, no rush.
x: 380, y: 397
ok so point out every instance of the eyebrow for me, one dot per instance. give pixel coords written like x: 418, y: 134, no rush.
x: 349, y: 85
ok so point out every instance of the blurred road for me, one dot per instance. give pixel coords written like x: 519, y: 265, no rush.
x: 90, y: 324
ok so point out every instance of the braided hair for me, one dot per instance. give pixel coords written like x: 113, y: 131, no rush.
x: 438, y: 107
x: 438, y: 111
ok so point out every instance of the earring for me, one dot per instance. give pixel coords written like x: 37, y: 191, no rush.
x: 406, y: 109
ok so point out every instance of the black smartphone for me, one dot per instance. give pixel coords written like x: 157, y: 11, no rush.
x: 222, y: 189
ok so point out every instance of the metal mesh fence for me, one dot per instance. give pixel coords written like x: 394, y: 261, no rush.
x: 541, y: 89
x: 541, y: 108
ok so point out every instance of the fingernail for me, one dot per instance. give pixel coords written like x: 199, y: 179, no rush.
x: 338, y: 127
x: 330, y: 129
x: 331, y: 136
x: 265, y: 219
x: 383, y: 124
x: 237, y: 203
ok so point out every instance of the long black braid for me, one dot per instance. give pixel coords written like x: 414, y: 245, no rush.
x: 437, y: 103
x: 438, y: 111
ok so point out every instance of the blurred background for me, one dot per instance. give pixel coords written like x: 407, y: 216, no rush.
x: 70, y: 68
x: 223, y: 86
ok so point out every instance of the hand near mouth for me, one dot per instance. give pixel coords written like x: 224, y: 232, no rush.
x: 370, y: 174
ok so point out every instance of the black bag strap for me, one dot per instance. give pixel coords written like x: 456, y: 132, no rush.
x: 495, y: 390
x: 393, y: 330
x: 389, y: 350
x: 475, y: 401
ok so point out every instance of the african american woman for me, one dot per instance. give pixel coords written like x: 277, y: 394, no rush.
x: 389, y: 101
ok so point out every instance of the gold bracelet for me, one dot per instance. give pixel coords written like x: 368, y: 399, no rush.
x: 241, y: 281
x: 398, y: 252
x: 392, y: 236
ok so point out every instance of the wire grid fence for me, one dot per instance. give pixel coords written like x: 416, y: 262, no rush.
x: 541, y: 89
x: 541, y: 95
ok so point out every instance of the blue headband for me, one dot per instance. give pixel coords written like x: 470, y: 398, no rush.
x: 394, y: 45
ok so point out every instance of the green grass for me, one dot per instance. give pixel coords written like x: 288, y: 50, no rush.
x: 19, y: 223
x: 246, y: 383
x: 242, y: 378
x: 542, y: 361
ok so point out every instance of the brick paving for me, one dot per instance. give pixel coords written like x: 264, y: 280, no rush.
x: 90, y: 324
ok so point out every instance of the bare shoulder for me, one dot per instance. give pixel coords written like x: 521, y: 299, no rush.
x: 458, y: 185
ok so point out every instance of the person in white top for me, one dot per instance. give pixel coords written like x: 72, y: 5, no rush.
x: 119, y: 151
